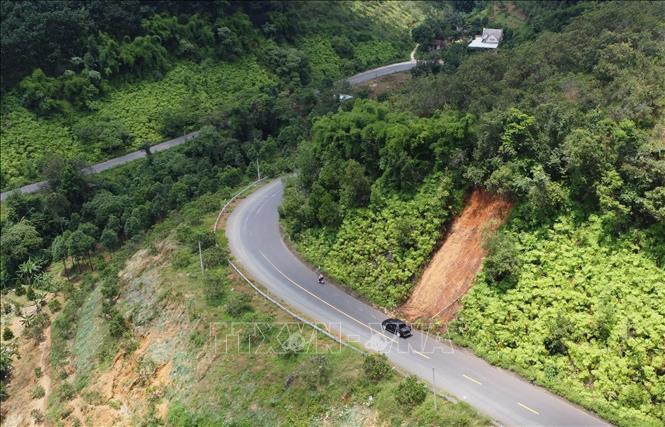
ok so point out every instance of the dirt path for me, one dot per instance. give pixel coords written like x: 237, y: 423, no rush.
x: 451, y: 272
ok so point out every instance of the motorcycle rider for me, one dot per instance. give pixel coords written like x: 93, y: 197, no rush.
x: 321, y: 279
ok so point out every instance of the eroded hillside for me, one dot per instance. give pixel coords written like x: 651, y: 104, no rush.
x: 450, y: 273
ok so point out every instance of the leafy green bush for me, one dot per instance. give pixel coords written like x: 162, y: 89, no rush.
x: 501, y: 264
x: 240, y: 303
x: 54, y: 305
x: 376, y: 367
x: 215, y: 256
x: 411, y: 392
x: 181, y: 258
x: 214, y: 285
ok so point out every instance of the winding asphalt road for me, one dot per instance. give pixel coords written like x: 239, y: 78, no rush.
x: 256, y: 242
x: 384, y: 71
x: 100, y: 167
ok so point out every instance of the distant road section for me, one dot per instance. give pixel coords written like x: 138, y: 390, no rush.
x: 100, y: 167
x: 384, y: 71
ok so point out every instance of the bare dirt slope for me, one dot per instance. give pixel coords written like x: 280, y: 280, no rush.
x: 451, y: 271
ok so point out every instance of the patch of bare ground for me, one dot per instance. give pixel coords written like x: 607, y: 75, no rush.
x: 139, y: 374
x: 453, y: 268
x: 33, y: 357
x: 385, y: 84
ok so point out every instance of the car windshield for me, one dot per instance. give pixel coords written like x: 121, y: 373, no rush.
x: 403, y: 326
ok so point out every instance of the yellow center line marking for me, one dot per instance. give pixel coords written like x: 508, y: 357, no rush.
x: 422, y: 354
x: 472, y: 379
x: 325, y: 302
x: 528, y: 409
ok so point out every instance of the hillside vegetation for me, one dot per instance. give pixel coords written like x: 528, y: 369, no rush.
x: 144, y: 339
x: 566, y: 120
x: 584, y: 317
x: 169, y: 67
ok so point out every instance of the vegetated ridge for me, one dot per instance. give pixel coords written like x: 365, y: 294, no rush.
x: 451, y: 272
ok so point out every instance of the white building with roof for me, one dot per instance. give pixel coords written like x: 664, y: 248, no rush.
x: 490, y: 39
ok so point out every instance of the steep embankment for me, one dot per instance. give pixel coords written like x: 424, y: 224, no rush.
x: 451, y: 272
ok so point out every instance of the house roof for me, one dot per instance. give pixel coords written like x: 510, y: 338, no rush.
x: 478, y: 42
x: 496, y: 32
x: 490, y: 39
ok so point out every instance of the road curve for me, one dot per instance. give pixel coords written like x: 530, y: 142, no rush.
x: 108, y: 164
x: 384, y: 71
x: 381, y: 71
x: 255, y: 241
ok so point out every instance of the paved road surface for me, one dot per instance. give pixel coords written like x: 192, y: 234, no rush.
x: 384, y: 71
x: 100, y: 167
x: 255, y: 241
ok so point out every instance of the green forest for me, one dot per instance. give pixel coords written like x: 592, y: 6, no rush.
x: 566, y: 119
x: 95, y: 89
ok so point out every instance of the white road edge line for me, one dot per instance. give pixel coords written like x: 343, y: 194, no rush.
x: 421, y: 354
x: 325, y: 302
x: 528, y: 409
x: 472, y: 379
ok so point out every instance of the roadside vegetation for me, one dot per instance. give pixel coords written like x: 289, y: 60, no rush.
x: 565, y: 120
x: 142, y: 339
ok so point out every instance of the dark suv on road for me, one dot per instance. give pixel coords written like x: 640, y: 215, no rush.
x: 396, y: 326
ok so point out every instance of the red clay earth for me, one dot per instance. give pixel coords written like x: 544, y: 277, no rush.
x: 451, y: 271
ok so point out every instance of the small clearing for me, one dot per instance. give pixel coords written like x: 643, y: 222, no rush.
x: 451, y: 271
x: 385, y: 84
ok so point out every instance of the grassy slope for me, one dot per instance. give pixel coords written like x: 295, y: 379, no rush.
x: 594, y: 282
x: 27, y: 138
x: 208, y: 387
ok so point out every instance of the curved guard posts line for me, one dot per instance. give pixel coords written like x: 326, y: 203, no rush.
x: 214, y: 227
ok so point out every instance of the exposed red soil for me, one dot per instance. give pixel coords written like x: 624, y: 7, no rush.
x: 451, y: 271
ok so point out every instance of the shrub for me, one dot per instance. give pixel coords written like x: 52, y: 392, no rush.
x: 214, y: 285
x: 181, y: 258
x: 376, y: 367
x: 109, y: 135
x: 238, y: 305
x: 316, y: 371
x: 294, y: 344
x: 560, y: 330
x: 54, y: 305
x: 7, y: 334
x: 38, y: 372
x: 501, y: 264
x: 37, y: 416
x: 38, y: 392
x: 34, y: 324
x: 117, y: 325
x: 214, y: 256
x: 66, y: 392
x: 411, y: 392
